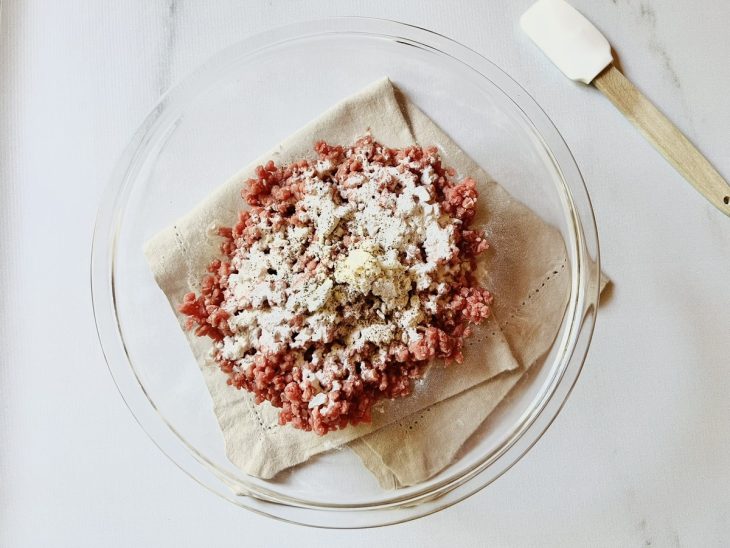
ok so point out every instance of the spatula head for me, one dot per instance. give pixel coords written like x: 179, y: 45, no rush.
x: 567, y: 38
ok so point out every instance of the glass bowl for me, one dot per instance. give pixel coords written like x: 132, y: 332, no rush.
x: 241, y: 103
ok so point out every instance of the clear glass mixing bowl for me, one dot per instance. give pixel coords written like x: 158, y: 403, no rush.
x: 242, y: 102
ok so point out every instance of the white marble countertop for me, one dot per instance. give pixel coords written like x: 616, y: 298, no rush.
x: 639, y: 456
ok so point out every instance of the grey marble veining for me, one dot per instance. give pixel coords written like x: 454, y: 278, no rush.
x: 648, y: 14
x: 169, y: 41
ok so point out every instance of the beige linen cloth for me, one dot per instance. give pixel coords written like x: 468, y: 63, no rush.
x: 413, y: 438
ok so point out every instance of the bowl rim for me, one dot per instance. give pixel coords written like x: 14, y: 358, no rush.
x: 585, y: 270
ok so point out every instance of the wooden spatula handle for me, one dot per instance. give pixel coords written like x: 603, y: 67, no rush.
x: 665, y: 137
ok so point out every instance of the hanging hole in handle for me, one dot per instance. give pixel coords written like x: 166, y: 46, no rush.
x: 726, y: 199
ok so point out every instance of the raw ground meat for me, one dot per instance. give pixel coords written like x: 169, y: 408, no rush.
x: 323, y: 381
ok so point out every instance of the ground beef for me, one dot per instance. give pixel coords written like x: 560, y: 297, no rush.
x: 319, y: 378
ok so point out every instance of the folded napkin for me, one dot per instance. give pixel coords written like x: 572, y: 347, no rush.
x: 526, y: 270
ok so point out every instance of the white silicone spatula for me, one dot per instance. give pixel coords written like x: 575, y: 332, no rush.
x: 583, y: 54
